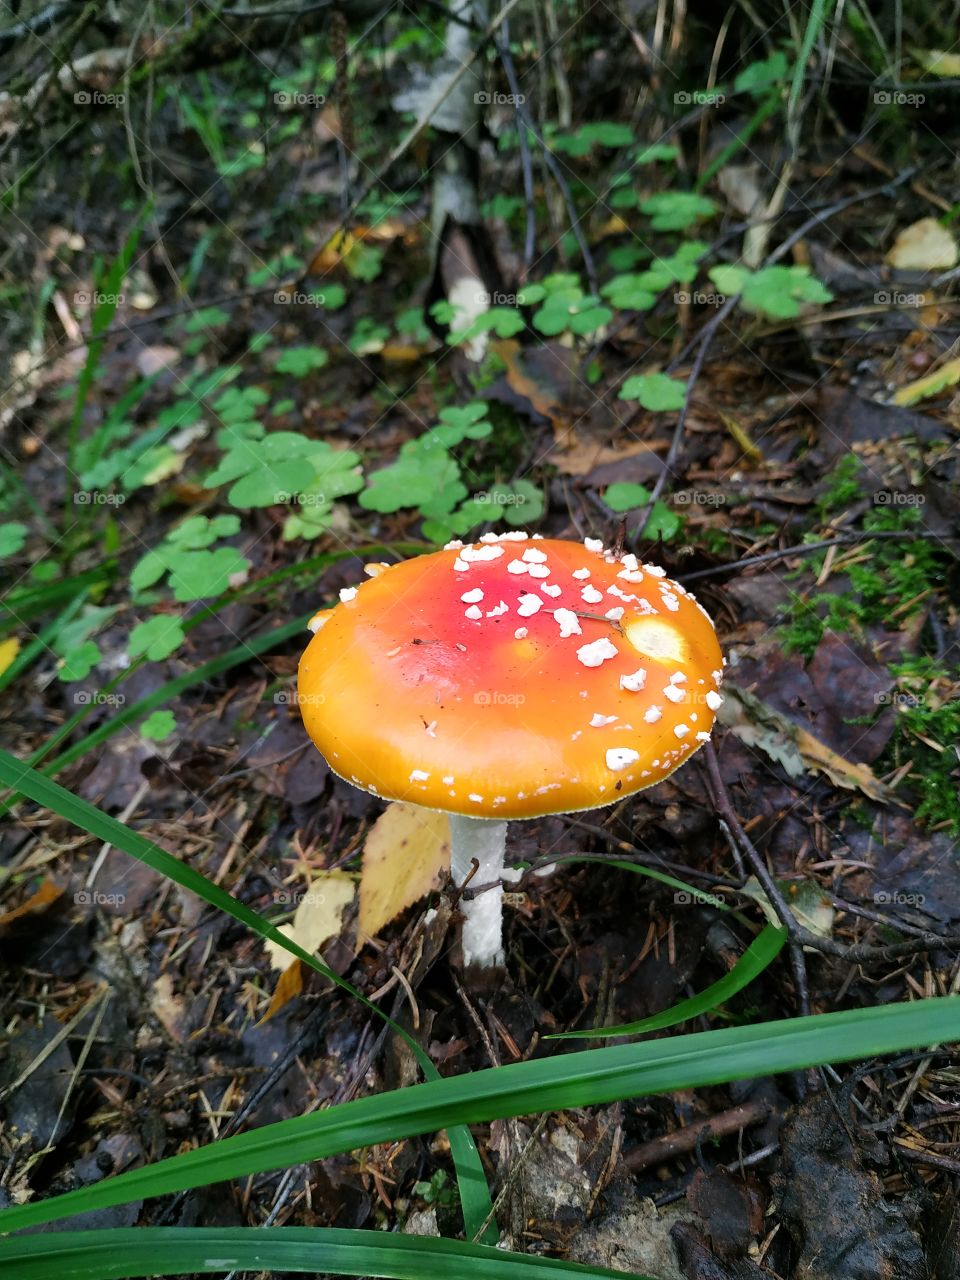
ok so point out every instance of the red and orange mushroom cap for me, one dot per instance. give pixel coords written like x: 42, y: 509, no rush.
x: 511, y: 677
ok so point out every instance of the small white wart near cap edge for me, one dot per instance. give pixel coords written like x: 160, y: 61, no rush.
x: 487, y: 551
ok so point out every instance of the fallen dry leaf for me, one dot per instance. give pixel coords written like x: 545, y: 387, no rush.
x: 168, y: 1007
x: 9, y: 649
x: 404, y: 854
x: 758, y: 724
x: 924, y: 246
x: 289, y: 986
x: 38, y: 902
x: 938, y: 62
x: 842, y: 772
x: 929, y: 385
x: 318, y: 916
x: 805, y: 898
x: 585, y: 456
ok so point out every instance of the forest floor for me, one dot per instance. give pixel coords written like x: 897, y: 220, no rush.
x: 813, y: 507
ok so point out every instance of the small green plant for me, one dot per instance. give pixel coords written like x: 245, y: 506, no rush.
x: 661, y: 523
x: 657, y: 392
x: 439, y: 1191
x: 776, y: 292
x: 428, y: 477
x: 843, y: 486
x: 265, y: 470
x: 186, y: 557
x: 927, y: 703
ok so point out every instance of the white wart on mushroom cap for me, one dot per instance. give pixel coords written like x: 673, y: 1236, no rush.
x: 512, y: 677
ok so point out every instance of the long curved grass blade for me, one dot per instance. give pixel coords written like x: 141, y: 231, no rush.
x: 117, y: 1254
x: 758, y: 956
x: 662, y: 877
x: 41, y: 643
x: 587, y: 1078
x: 474, y: 1192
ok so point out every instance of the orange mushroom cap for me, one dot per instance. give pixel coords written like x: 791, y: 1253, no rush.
x: 470, y: 680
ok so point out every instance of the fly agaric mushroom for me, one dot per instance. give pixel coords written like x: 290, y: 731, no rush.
x: 509, y: 678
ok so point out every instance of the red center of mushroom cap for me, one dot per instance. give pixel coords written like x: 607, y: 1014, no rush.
x: 511, y: 677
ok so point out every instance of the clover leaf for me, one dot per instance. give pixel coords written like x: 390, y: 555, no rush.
x: 677, y: 210
x: 12, y: 537
x: 194, y: 572
x: 655, y: 391
x: 267, y: 471
x: 79, y: 662
x: 156, y: 638
x: 300, y: 361
x: 624, y: 496
x: 158, y: 726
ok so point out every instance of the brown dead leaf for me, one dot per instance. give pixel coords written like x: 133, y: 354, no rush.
x: 404, y: 854
x: 341, y: 245
x: 543, y: 377
x: 37, y: 904
x: 168, y: 1007
x: 585, y: 456
x: 795, y: 749
x: 842, y: 772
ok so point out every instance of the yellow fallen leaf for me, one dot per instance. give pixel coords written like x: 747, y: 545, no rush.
x: 403, y: 352
x: 404, y: 854
x: 741, y: 436
x: 317, y: 918
x: 937, y: 62
x: 930, y: 384
x: 9, y: 649
x: 842, y: 772
x: 290, y: 985
x: 923, y: 246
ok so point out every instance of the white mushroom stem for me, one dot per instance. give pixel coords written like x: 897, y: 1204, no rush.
x: 485, y: 840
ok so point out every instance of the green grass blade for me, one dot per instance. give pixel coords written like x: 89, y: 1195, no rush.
x: 41, y: 643
x: 474, y: 1192
x: 117, y: 1254
x: 641, y: 869
x: 19, y: 606
x: 586, y: 1078
x: 758, y: 956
